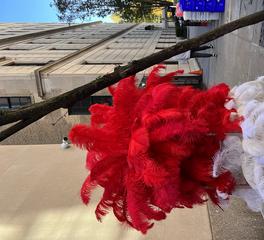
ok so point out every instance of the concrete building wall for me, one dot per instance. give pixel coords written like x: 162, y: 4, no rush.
x: 19, y: 79
x: 17, y: 29
x: 240, y: 56
x: 128, y: 42
x: 20, y: 60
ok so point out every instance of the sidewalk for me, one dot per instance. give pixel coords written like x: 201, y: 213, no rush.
x: 39, y: 200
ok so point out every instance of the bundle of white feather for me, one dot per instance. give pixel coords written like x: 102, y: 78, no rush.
x: 246, y: 154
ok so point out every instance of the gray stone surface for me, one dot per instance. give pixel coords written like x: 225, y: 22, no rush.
x: 236, y: 222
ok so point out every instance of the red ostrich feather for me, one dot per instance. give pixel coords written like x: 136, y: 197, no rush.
x: 152, y: 150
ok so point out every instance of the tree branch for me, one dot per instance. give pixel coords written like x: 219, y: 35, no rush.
x: 69, y: 98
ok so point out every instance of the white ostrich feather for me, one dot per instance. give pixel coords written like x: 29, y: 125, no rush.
x: 253, y: 129
x: 218, y: 163
x: 254, y: 174
x: 248, y: 129
x: 228, y: 157
x: 260, y: 160
x: 259, y: 127
x: 259, y: 179
x: 258, y: 110
x: 249, y: 98
x: 232, y: 91
x: 231, y: 104
x: 253, y: 147
x: 249, y: 91
x: 249, y: 107
x: 254, y: 119
x: 238, y: 90
x: 222, y: 195
x: 248, y: 164
x: 261, y: 80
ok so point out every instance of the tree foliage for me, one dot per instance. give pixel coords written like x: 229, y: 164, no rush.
x: 127, y: 10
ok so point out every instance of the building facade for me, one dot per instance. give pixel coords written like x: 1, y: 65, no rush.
x: 40, y: 61
x: 240, y: 53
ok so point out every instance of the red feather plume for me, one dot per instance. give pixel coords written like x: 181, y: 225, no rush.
x: 153, y: 150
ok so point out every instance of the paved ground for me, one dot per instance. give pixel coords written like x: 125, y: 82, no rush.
x: 39, y: 200
x: 236, y: 222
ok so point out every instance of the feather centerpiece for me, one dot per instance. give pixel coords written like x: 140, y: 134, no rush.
x: 154, y: 149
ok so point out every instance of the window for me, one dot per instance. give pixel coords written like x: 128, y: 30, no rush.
x: 107, y: 100
x: 4, y: 104
x: 194, y: 81
x: 81, y: 107
x: 14, y: 102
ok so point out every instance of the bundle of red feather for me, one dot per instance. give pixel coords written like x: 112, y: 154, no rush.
x: 153, y: 150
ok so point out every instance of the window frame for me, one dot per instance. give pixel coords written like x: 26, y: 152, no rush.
x: 20, y: 102
x: 86, y: 103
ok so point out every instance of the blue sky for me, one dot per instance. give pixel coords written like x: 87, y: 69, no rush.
x: 29, y: 11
